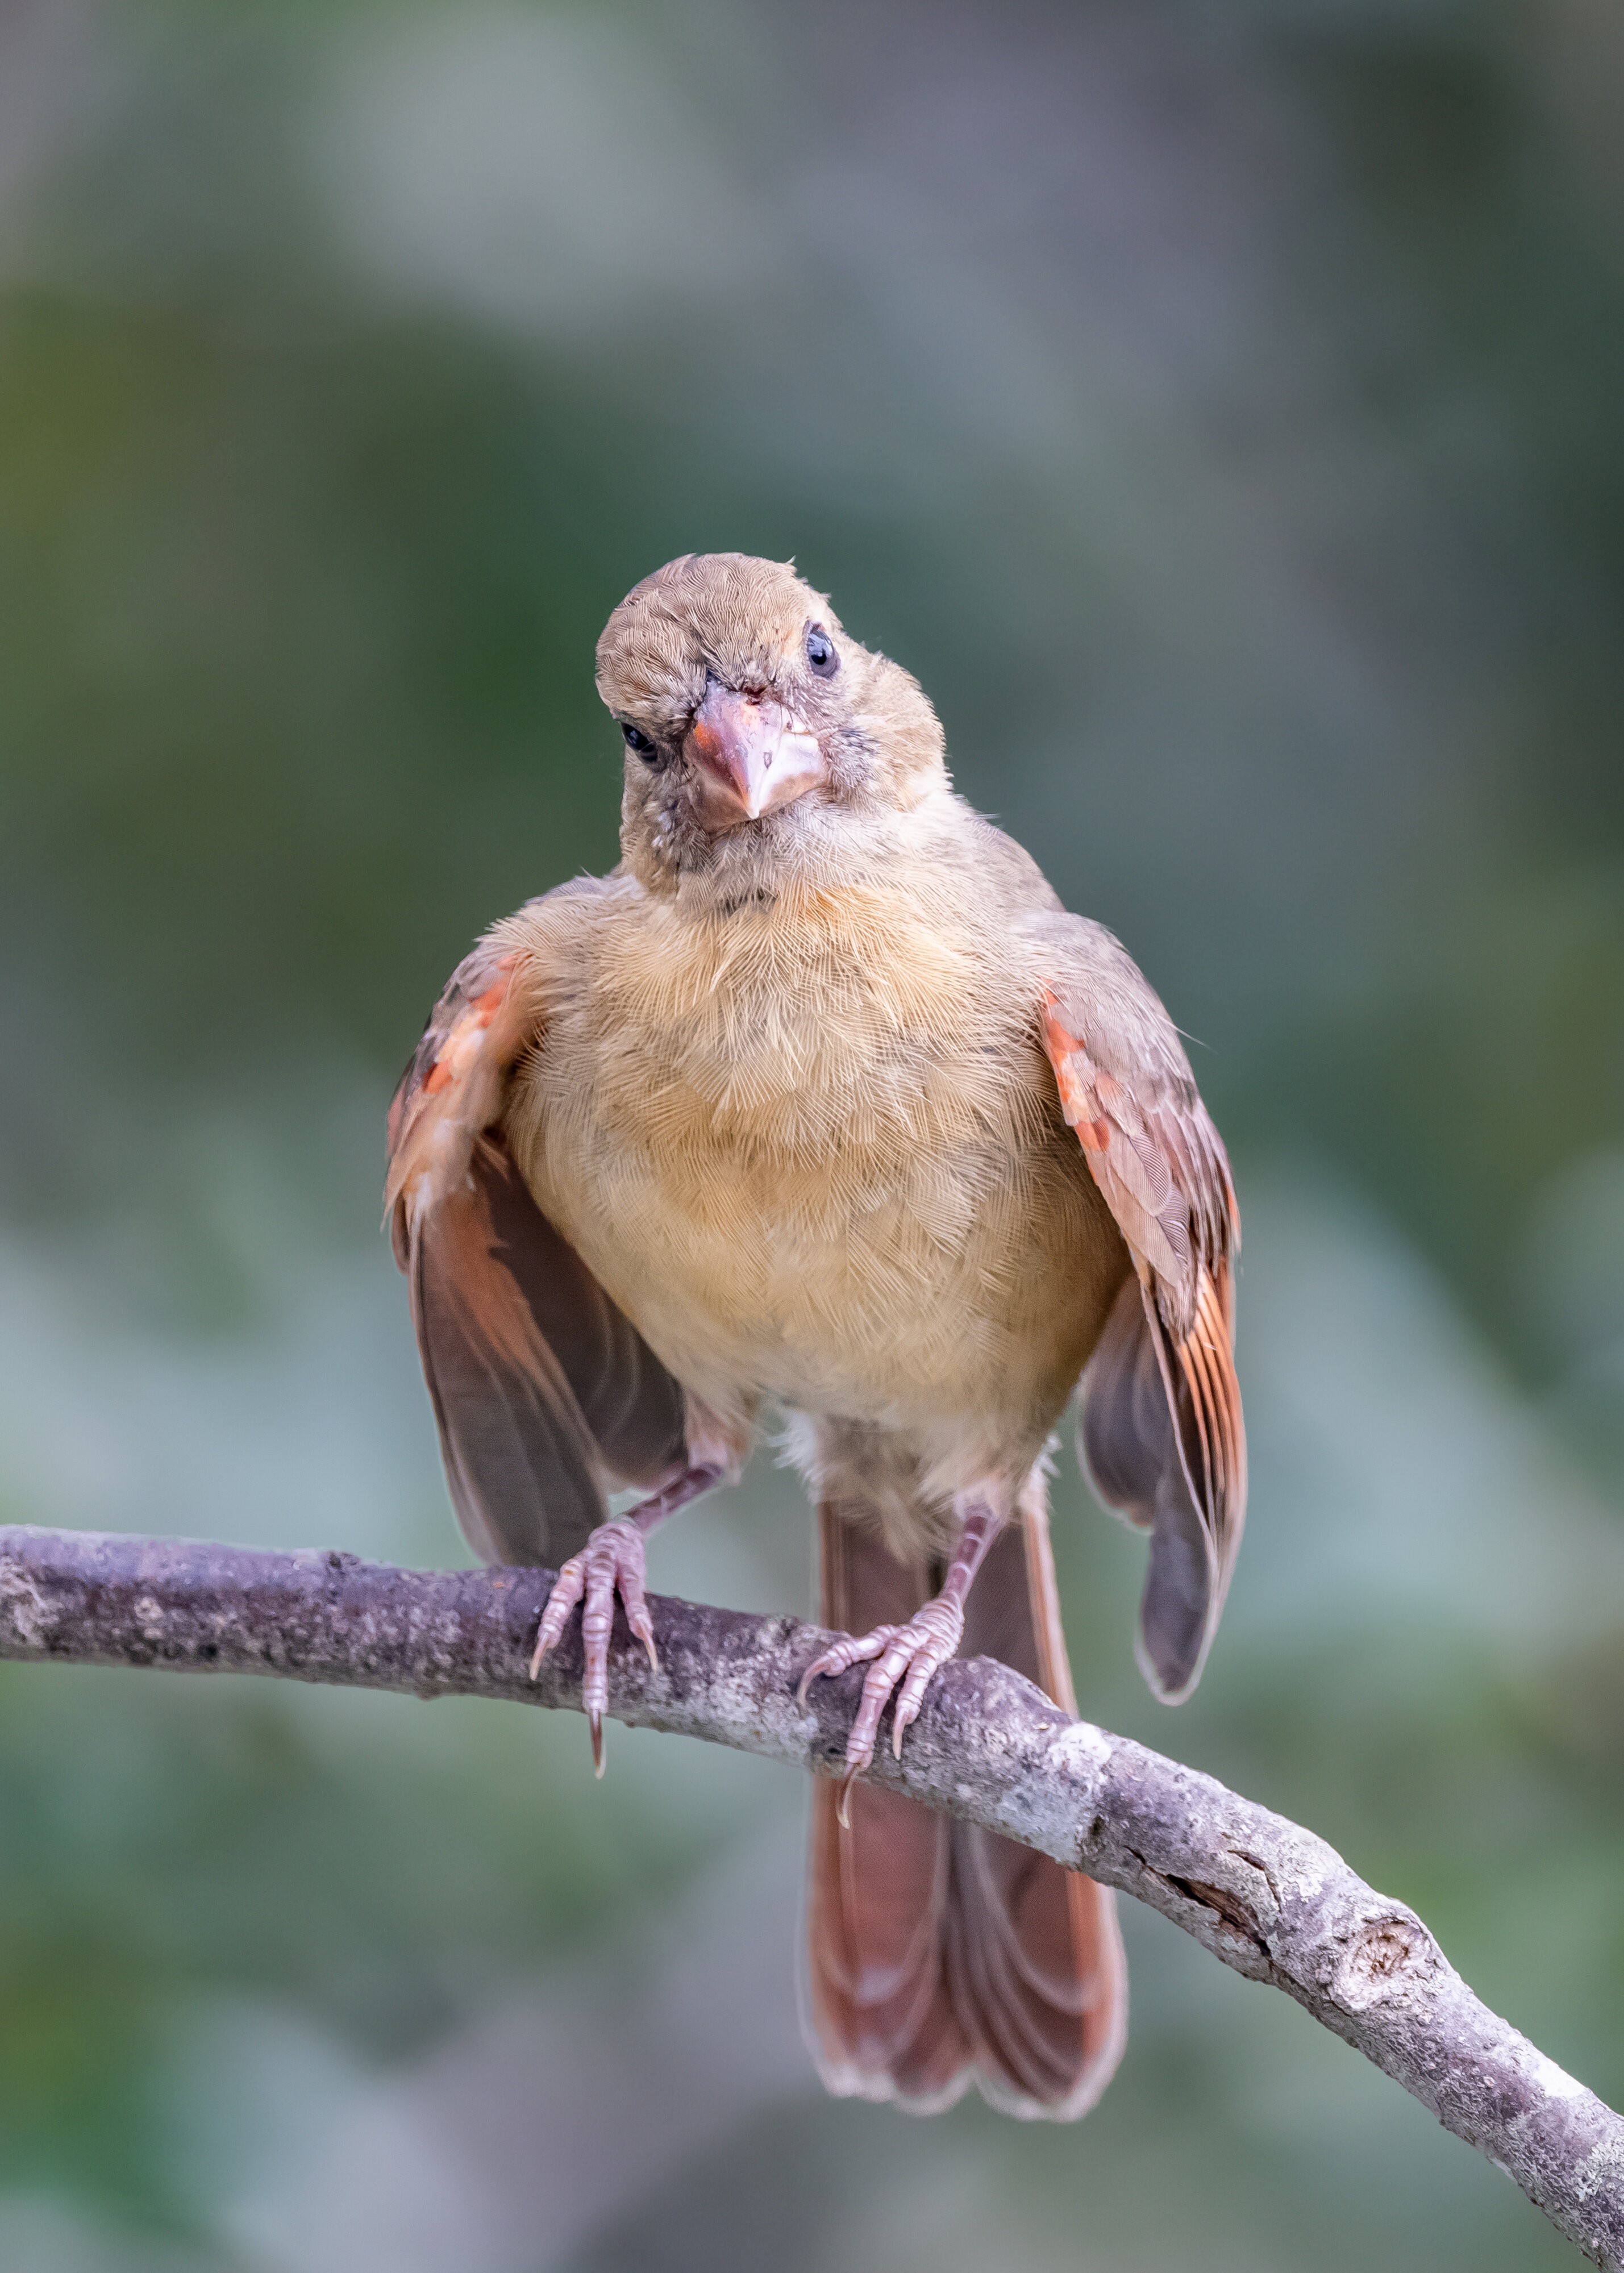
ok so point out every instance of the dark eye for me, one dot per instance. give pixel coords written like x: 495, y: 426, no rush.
x: 820, y: 651
x: 640, y: 745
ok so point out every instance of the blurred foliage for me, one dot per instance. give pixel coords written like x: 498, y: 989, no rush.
x: 1217, y: 409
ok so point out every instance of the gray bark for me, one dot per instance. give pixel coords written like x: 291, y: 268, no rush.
x: 1269, y: 1898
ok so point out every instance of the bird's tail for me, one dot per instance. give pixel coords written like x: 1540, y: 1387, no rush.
x: 938, y: 1954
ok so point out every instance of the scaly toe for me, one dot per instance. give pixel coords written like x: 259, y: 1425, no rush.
x: 610, y: 1565
x: 842, y: 1656
x: 921, y: 1673
x: 566, y: 1591
x: 912, y: 1657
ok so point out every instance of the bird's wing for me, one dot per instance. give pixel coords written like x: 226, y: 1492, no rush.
x: 544, y: 1392
x: 1162, y: 1432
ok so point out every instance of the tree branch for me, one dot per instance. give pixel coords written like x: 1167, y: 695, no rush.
x: 1268, y: 1898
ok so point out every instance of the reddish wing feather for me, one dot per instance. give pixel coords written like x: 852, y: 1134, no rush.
x: 544, y: 1392
x: 452, y: 1089
x: 1125, y: 1087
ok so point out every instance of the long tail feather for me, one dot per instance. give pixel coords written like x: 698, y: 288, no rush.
x: 938, y: 1955
x: 878, y: 2018
x: 1034, y: 1955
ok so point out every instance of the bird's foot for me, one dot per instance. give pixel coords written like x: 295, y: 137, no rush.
x: 611, y: 1563
x: 910, y: 1654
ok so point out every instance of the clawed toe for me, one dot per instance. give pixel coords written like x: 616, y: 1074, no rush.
x: 567, y: 1589
x: 849, y: 1652
x: 911, y: 1655
x: 611, y: 1563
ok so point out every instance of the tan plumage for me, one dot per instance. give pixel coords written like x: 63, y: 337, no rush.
x: 773, y: 1122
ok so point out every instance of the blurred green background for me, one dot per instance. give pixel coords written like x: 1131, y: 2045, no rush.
x: 1218, y: 407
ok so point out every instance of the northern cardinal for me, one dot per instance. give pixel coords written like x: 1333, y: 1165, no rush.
x: 822, y: 1108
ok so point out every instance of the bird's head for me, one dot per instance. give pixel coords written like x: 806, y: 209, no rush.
x: 757, y: 732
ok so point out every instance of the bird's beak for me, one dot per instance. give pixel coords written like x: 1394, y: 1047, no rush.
x: 750, y: 757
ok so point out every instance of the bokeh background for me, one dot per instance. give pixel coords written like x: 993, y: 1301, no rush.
x: 1218, y: 407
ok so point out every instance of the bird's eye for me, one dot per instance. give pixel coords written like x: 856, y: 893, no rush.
x: 821, y: 652
x: 640, y: 745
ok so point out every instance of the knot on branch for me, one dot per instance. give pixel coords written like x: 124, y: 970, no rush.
x: 1388, y: 1957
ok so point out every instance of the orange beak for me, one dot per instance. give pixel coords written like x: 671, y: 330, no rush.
x: 750, y: 758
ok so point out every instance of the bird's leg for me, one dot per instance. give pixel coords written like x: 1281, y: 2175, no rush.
x: 909, y: 1653
x: 613, y: 1562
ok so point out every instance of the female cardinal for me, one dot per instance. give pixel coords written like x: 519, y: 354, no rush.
x: 821, y: 1105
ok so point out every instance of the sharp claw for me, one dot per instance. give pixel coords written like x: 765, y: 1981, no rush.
x: 646, y: 1635
x: 907, y: 1661
x: 842, y: 1812
x: 594, y: 1722
x: 542, y: 1645
x: 840, y: 1659
x: 549, y: 1626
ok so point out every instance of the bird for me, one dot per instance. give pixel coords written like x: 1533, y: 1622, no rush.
x: 821, y: 1117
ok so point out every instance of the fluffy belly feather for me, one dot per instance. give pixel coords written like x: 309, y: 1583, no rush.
x: 834, y: 1178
